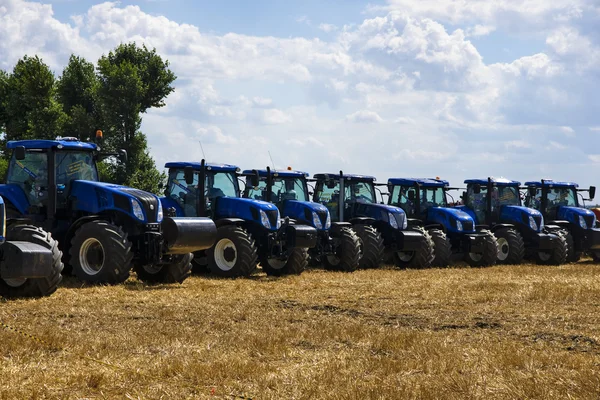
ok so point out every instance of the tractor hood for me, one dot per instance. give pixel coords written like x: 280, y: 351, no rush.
x: 452, y: 219
x: 95, y: 197
x: 522, y: 216
x: 581, y: 217
x: 312, y: 214
x: 261, y: 212
x: 395, y: 216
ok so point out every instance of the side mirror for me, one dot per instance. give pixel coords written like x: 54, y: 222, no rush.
x: 532, y: 191
x: 477, y: 189
x: 411, y: 195
x: 20, y: 152
x: 592, y: 192
x: 188, y: 172
x: 254, y: 179
x: 122, y: 156
x: 331, y: 184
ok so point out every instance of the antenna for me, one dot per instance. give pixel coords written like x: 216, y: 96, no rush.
x: 202, y: 148
x: 271, y: 158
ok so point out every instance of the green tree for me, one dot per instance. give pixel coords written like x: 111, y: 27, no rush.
x: 30, y: 108
x: 132, y: 79
x: 77, y: 91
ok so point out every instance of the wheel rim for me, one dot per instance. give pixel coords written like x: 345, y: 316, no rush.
x: 405, y: 256
x: 333, y: 260
x: 225, y: 254
x: 15, y: 282
x: 91, y: 256
x: 503, y: 249
x: 476, y: 256
x: 276, y: 263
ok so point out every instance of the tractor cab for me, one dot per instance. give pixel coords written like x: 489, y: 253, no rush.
x: 559, y: 204
x: 453, y: 231
x: 496, y: 203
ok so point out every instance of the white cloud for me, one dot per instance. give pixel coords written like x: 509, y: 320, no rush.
x: 328, y: 27
x: 480, y: 30
x: 364, y: 116
x: 274, y: 116
x: 568, y: 131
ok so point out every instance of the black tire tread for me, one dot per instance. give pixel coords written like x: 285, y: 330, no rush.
x: 296, y: 263
x: 441, y: 247
x: 348, y: 252
x: 247, y: 252
x: 372, y: 246
x: 516, y: 245
x: 490, y: 252
x: 175, y: 272
x: 34, y: 287
x: 573, y: 256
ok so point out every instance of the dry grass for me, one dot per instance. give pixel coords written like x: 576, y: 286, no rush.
x: 505, y: 332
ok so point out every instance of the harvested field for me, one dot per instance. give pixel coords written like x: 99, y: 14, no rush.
x: 504, y: 332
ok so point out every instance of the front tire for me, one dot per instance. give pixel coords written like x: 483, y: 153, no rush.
x: 347, y: 254
x: 511, y: 248
x: 295, y: 264
x: 489, y: 255
x: 233, y: 254
x: 372, y: 246
x: 441, y: 248
x: 573, y: 256
x: 421, y: 258
x: 177, y: 271
x: 558, y: 255
x: 101, y: 253
x: 33, y: 287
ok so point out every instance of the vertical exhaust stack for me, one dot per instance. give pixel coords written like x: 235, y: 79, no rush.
x: 341, y: 204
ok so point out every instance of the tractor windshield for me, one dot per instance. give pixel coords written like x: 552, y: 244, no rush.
x: 217, y: 184
x: 71, y: 165
x: 556, y: 197
x: 283, y: 188
x: 359, y: 192
x: 432, y: 197
x: 31, y: 174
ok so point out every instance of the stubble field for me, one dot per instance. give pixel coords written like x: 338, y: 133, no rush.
x: 504, y: 332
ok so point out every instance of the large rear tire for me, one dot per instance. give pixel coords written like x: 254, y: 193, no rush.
x: 295, y: 264
x: 101, y: 253
x: 511, y: 248
x: 372, y: 246
x: 177, y: 271
x: 421, y: 258
x: 489, y: 255
x: 347, y: 254
x: 233, y: 254
x: 441, y: 247
x: 558, y: 255
x: 33, y: 287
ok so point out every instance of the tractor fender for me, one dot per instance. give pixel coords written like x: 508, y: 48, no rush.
x: 15, y: 196
x: 362, y: 221
x: 414, y: 222
x: 502, y: 226
x: 77, y: 224
x: 336, y: 228
x: 229, y: 221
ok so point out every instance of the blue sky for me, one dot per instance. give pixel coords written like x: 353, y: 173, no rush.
x: 457, y: 89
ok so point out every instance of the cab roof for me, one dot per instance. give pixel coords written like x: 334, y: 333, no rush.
x: 497, y: 181
x: 426, y: 182
x: 551, y: 183
x: 209, y: 166
x: 61, y: 143
x: 366, y: 178
x: 286, y: 173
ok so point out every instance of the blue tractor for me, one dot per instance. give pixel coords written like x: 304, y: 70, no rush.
x: 30, y: 261
x: 559, y: 204
x: 103, y: 229
x: 382, y: 229
x: 338, y: 247
x: 249, y: 231
x: 453, y: 231
x: 520, y: 231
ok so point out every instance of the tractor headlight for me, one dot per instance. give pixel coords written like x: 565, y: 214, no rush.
x: 393, y: 221
x: 582, y: 222
x: 317, y: 221
x: 264, y: 219
x: 532, y: 224
x: 328, y: 221
x: 459, y: 226
x: 404, y: 222
x: 159, y: 214
x: 137, y: 210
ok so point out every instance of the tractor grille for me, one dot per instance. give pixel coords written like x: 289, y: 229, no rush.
x: 538, y: 220
x: 148, y: 200
x: 467, y: 225
x: 589, y: 220
x: 322, y: 216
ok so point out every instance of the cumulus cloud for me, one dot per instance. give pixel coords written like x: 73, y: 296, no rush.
x: 364, y: 116
x: 328, y: 27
